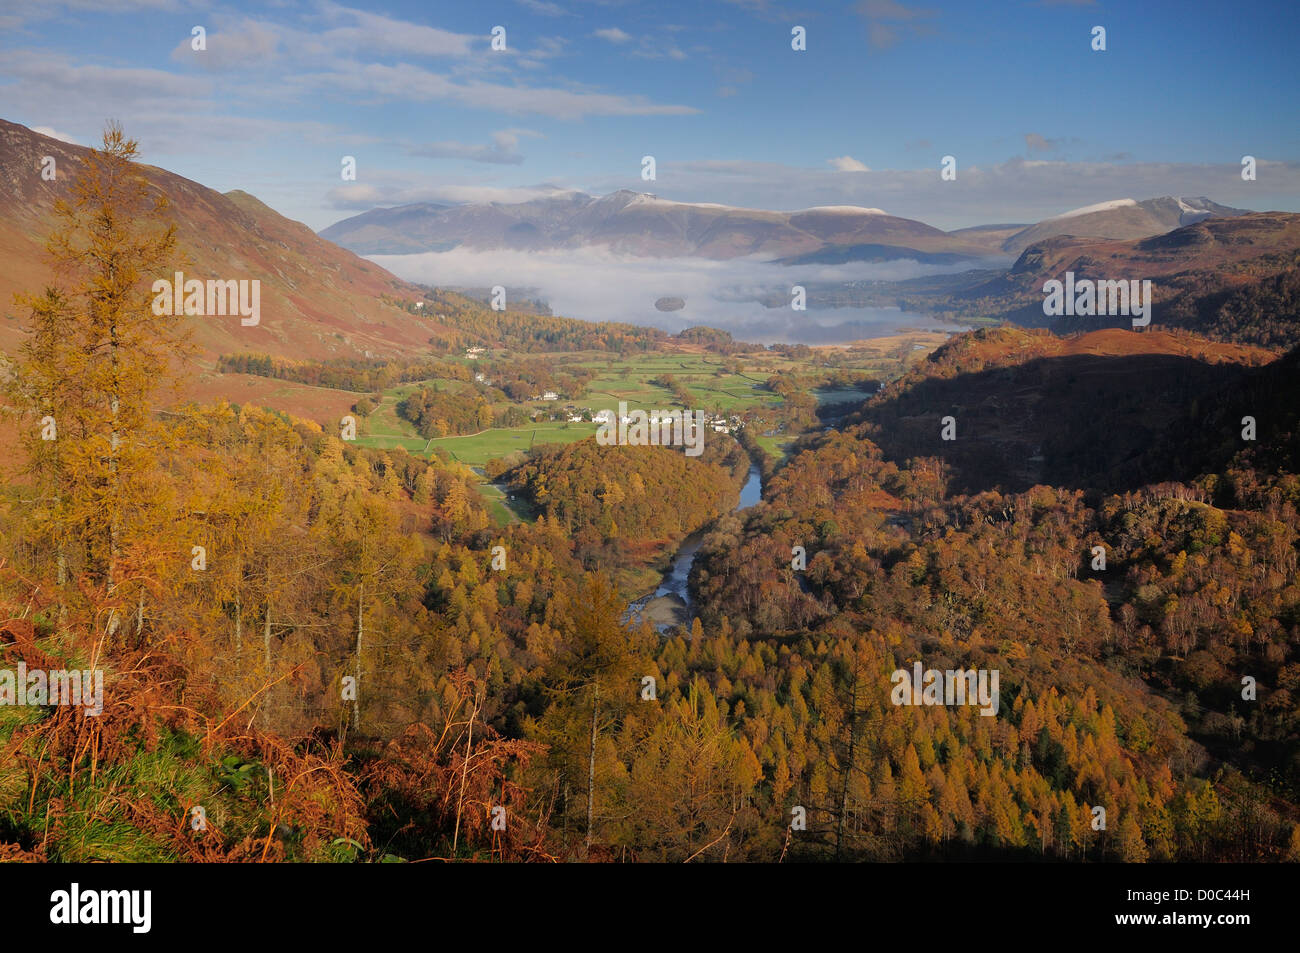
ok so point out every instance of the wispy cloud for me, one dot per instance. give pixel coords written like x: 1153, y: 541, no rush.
x: 503, y: 150
x: 388, y: 189
x: 888, y: 20
x: 234, y: 42
x: 169, y: 113
x: 18, y: 12
x: 544, y: 8
x: 1036, y: 143
x: 404, y: 82
x: 55, y: 134
x: 847, y: 164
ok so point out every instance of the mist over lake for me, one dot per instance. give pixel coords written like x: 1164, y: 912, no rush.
x: 594, y: 284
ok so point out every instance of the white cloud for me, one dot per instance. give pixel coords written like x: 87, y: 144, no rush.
x: 882, y: 34
x: 168, y: 113
x: 394, y: 191
x: 54, y: 134
x: 406, y: 82
x: 613, y: 34
x: 1036, y: 143
x: 241, y: 44
x: 383, y: 34
x: 847, y: 164
x: 23, y: 11
x: 491, y: 154
x: 545, y: 8
x: 503, y: 150
x: 233, y: 43
x: 364, y: 196
x: 52, y: 77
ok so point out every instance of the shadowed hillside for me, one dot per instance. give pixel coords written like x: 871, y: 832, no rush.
x: 1088, y: 416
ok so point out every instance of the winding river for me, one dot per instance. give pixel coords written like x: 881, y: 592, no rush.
x: 670, y: 604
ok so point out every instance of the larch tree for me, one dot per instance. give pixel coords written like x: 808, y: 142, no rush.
x: 592, y: 678
x: 96, y: 361
x: 40, y: 381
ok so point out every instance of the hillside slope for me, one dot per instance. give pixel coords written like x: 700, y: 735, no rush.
x: 317, y: 300
x: 1230, y: 279
x: 1121, y: 219
x: 1110, y: 410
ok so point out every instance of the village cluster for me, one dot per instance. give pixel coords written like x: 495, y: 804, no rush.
x: 718, y: 423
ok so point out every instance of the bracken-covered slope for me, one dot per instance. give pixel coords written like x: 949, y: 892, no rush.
x: 1231, y: 279
x: 317, y: 300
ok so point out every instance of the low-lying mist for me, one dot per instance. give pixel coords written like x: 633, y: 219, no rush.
x: 595, y: 284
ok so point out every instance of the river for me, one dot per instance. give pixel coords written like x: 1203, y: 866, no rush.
x: 670, y: 604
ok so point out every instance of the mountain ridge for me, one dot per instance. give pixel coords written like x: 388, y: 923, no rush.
x: 644, y: 225
x: 1122, y: 219
x: 319, y: 301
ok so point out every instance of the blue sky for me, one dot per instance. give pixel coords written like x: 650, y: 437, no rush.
x: 1037, y: 120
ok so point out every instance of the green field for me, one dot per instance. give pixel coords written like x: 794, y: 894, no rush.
x: 628, y: 379
x: 776, y: 446
x: 477, y: 449
x: 503, y: 511
x: 625, y: 379
x: 842, y: 396
x: 384, y: 429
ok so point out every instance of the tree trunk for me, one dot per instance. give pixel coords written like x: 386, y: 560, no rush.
x: 266, y: 629
x: 591, y: 767
x: 63, y: 581
x: 113, y: 527
x: 356, y: 704
x: 848, y: 767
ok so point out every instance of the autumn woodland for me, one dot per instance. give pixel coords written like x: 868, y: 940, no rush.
x: 318, y: 650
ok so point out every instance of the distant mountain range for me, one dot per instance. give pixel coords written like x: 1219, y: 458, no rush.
x: 637, y: 223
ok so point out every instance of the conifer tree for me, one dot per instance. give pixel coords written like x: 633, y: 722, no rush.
x: 96, y: 360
